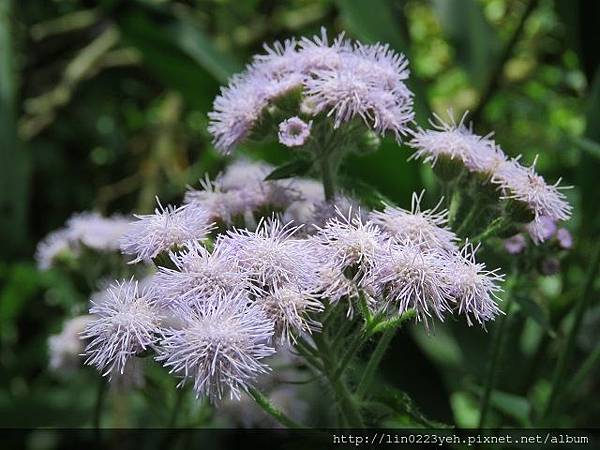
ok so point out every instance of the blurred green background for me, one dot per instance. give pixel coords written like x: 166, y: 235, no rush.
x: 104, y: 105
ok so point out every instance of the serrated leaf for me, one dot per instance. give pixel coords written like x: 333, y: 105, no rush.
x: 298, y: 167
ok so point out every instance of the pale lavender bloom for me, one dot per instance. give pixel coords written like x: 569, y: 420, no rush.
x: 410, y: 276
x: 220, y: 347
x: 564, y: 238
x: 474, y: 288
x: 525, y: 185
x: 97, y: 232
x: 334, y: 285
x: 541, y: 229
x: 271, y: 256
x: 426, y: 228
x: 348, y: 242
x: 515, y: 244
x: 362, y: 86
x: 294, y: 132
x: 65, y: 348
x: 457, y: 141
x: 199, y: 276
x: 155, y: 233
x: 325, y: 210
x: 54, y: 244
x: 241, y: 173
x: 310, y: 192
x: 126, y: 323
x: 317, y: 54
x: 289, y: 309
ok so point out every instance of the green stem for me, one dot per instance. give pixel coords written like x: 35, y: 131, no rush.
x: 374, y: 361
x: 328, y: 177
x: 346, y: 402
x: 262, y: 401
x: 474, y: 211
x: 355, y: 344
x: 585, y: 369
x: 496, y: 351
x: 494, y: 227
x: 98, y: 406
x: 569, y: 348
x: 176, y: 408
x: 454, y: 207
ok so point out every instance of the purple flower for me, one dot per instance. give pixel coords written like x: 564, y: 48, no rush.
x: 294, y: 132
x: 541, y: 229
x: 565, y: 240
x: 515, y: 244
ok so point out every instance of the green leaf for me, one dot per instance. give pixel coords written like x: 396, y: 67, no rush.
x: 511, y: 405
x: 474, y: 40
x: 298, y: 167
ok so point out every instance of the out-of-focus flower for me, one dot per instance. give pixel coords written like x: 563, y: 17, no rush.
x: 65, y: 348
x: 426, y: 228
x: 53, y: 245
x: 515, y: 244
x: 541, y: 229
x: 550, y: 266
x: 97, y: 232
x: 126, y: 323
x: 155, y: 233
x: 564, y: 238
x: 220, y: 347
x: 294, y: 132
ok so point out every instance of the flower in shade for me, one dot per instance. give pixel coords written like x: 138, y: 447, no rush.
x: 97, y: 232
x: 241, y: 173
x: 65, y: 347
x: 326, y: 209
x: 289, y: 308
x: 473, y: 287
x: 564, y: 238
x: 541, y: 229
x: 220, y: 346
x: 515, y: 244
x: 271, y: 256
x: 409, y: 276
x: 199, y: 276
x: 48, y: 249
x: 155, y: 233
x: 126, y: 323
x: 294, y: 132
x: 426, y: 228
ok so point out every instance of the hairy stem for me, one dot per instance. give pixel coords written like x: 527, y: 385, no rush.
x: 98, y: 406
x: 266, y: 405
x: 569, y: 347
x: 374, y: 361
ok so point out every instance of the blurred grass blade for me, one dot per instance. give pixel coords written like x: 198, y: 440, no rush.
x: 194, y: 42
x: 474, y: 40
x: 14, y: 161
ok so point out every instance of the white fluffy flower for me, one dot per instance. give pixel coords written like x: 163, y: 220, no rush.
x: 271, y: 256
x: 294, y: 132
x: 199, y: 276
x: 155, y: 233
x: 126, y: 323
x: 457, y: 141
x: 56, y: 243
x: 473, y: 287
x: 426, y: 228
x: 410, y: 276
x: 97, y: 232
x: 289, y: 308
x: 65, y: 348
x: 220, y: 347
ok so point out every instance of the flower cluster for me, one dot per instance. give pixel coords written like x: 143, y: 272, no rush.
x: 343, y: 80
x: 88, y: 229
x: 482, y: 156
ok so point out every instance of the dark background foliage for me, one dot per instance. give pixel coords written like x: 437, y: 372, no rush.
x: 103, y: 106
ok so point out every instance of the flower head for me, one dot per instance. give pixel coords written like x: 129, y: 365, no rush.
x: 65, y: 347
x: 426, y: 228
x: 220, y: 347
x: 564, y: 238
x: 294, y: 132
x: 289, y: 308
x: 126, y: 323
x: 49, y: 248
x: 473, y: 287
x: 515, y: 244
x: 410, y: 276
x: 541, y: 229
x: 271, y: 256
x: 97, y: 232
x: 154, y: 233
